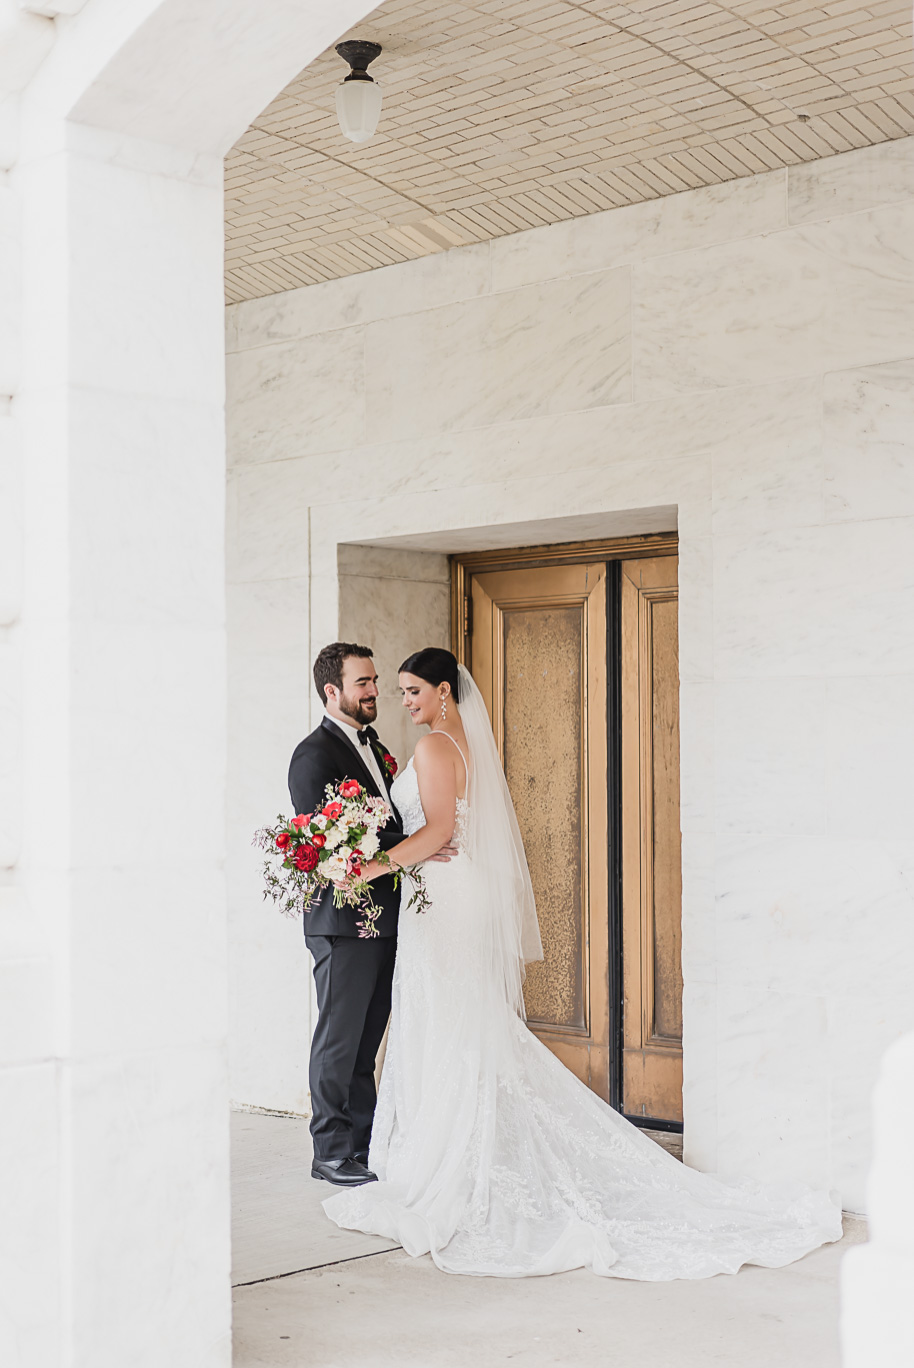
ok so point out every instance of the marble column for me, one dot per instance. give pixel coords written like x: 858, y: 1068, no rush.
x: 121, y: 414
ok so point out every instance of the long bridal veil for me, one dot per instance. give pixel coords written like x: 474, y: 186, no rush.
x: 493, y: 845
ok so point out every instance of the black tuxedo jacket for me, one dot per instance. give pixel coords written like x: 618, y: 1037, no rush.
x: 326, y: 757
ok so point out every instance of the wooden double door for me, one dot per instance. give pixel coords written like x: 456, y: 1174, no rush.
x: 575, y: 652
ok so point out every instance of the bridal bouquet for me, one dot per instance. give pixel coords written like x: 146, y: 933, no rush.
x: 327, y: 848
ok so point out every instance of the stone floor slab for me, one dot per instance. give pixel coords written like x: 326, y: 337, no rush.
x: 278, y: 1225
x: 363, y: 1304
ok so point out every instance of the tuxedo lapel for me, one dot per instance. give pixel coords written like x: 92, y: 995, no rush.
x: 379, y: 754
x: 350, y: 757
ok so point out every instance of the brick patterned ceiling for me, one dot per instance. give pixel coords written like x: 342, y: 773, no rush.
x: 501, y: 115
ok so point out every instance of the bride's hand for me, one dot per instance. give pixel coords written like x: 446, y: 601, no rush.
x: 449, y: 851
x: 445, y: 854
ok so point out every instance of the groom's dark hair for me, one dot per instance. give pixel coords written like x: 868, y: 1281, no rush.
x: 328, y: 668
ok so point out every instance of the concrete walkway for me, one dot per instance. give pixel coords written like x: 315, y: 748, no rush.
x: 309, y: 1295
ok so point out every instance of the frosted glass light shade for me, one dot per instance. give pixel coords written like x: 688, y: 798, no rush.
x: 358, y: 108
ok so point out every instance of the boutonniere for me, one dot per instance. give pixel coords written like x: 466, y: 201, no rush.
x: 390, y: 765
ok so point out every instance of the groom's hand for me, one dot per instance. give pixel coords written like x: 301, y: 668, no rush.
x: 447, y: 852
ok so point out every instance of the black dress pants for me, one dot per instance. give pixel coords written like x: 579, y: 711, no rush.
x: 353, y: 979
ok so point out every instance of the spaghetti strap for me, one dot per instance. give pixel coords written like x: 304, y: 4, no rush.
x: 459, y: 751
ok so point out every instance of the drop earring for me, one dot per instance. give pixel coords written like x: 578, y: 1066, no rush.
x: 444, y: 707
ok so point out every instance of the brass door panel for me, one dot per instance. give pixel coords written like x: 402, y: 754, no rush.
x: 651, y: 870
x: 537, y: 649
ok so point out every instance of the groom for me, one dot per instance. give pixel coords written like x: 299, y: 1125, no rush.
x: 353, y: 977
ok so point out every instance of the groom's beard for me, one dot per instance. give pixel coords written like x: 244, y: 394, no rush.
x: 362, y: 711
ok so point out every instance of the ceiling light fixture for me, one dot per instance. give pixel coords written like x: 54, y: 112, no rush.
x: 358, y: 99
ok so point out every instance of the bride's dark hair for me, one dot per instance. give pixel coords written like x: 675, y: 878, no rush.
x: 435, y: 666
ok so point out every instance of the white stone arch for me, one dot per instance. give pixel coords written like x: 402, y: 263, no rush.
x: 190, y: 76
x: 114, y: 903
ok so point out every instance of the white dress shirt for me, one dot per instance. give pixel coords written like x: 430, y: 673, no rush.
x: 367, y: 753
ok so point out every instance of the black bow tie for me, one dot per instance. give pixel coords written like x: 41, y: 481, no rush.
x: 367, y: 734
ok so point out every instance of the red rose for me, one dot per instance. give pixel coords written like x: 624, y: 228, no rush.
x: 319, y: 840
x: 333, y: 810
x: 391, y: 764
x: 283, y: 839
x: 350, y: 788
x: 306, y: 858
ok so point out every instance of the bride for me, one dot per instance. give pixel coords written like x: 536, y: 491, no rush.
x: 492, y: 1156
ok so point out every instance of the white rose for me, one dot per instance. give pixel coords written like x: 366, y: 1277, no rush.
x: 369, y: 845
x: 336, y: 867
x: 333, y: 838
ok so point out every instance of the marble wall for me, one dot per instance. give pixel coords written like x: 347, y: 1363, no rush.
x: 736, y: 362
x: 394, y: 601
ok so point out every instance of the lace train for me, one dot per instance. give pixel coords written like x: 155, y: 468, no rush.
x: 493, y: 1158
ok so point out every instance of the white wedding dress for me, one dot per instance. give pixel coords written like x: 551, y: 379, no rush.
x: 495, y: 1160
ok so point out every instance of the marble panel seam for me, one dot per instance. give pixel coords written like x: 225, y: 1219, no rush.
x: 363, y: 324
x: 839, y: 520
x: 796, y: 225
x: 865, y: 366
x: 210, y: 1045
x: 214, y: 401
x: 723, y: 675
x: 233, y: 580
x: 823, y: 525
x: 729, y: 977
x: 157, y: 861
x: 25, y: 1066
x: 392, y: 579
x: 636, y: 261
x: 839, y: 217
x: 784, y: 229
x: 797, y: 373
x: 62, y: 1063
x: 211, y: 180
x: 502, y: 483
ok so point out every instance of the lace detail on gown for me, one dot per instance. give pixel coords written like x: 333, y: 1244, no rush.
x: 405, y: 793
x: 496, y: 1160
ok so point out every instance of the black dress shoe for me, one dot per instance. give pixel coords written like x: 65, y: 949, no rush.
x: 361, y: 1157
x: 343, y: 1172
